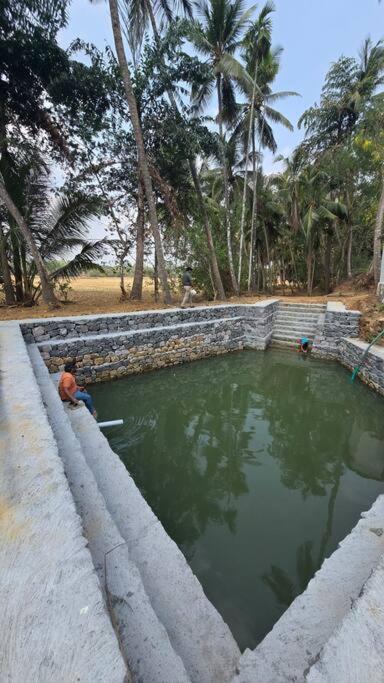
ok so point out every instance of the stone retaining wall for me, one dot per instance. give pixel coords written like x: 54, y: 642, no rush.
x: 338, y: 323
x: 100, y: 358
x: 114, y: 346
x: 372, y: 371
x: 36, y: 331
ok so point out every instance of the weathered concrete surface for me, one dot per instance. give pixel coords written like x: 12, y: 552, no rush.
x: 53, y: 623
x: 289, y: 650
x: 355, y: 652
x: 196, y: 630
x: 143, y: 639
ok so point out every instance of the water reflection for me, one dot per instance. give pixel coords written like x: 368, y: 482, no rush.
x: 256, y: 464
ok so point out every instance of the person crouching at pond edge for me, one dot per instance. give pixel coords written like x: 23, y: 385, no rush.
x: 304, y: 345
x: 70, y: 392
x: 187, y: 284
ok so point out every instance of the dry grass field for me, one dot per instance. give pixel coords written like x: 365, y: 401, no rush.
x: 93, y: 295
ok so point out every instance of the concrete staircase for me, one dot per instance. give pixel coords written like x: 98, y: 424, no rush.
x: 158, y: 608
x: 292, y: 321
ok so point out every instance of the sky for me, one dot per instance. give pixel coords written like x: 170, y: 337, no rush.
x: 313, y: 33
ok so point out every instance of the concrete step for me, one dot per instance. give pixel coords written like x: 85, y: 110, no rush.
x: 296, y: 316
x: 282, y: 333
x: 195, y: 629
x: 301, y: 307
x: 296, y: 324
x: 142, y: 637
x: 284, y: 344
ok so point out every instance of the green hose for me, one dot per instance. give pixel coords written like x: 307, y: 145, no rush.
x: 357, y: 368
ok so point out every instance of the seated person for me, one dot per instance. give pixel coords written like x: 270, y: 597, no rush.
x: 304, y: 344
x: 69, y: 391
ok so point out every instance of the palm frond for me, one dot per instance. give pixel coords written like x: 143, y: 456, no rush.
x: 277, y: 117
x: 232, y: 68
x: 84, y: 260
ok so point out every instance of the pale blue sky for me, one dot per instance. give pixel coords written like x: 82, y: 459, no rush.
x: 313, y: 33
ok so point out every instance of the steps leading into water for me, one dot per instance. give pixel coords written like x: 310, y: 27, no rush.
x: 293, y: 321
x: 142, y: 637
x: 195, y: 629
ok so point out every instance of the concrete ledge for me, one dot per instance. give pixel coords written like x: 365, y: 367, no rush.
x: 53, y: 623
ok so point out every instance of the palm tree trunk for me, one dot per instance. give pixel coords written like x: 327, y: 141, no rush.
x: 46, y: 286
x: 349, y: 251
x: 243, y: 207
x: 156, y: 280
x: 268, y: 255
x: 141, y: 155
x: 377, y: 236
x: 137, y: 285
x: 309, y: 267
x: 17, y: 267
x: 7, y: 280
x: 227, y: 221
x: 254, y: 207
x: 220, y: 294
x: 327, y: 262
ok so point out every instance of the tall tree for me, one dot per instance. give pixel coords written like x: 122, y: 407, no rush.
x: 219, y: 37
x: 142, y: 161
x: 139, y: 14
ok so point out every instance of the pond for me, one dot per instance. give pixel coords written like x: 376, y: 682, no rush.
x: 257, y: 465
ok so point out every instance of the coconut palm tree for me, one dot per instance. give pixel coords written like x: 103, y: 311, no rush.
x: 140, y: 13
x: 219, y: 37
x: 26, y: 232
x: 255, y: 118
x: 262, y: 65
x: 257, y: 43
x: 57, y: 226
x: 142, y: 161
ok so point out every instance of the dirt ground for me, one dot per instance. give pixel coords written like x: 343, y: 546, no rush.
x: 92, y: 295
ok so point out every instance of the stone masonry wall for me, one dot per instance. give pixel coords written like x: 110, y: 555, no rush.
x: 372, y: 371
x: 35, y: 331
x: 338, y: 324
x: 100, y: 358
x: 112, y: 346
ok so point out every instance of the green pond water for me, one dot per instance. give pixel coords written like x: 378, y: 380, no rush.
x: 257, y: 464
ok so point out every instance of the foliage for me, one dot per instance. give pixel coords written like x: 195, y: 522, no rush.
x: 204, y: 88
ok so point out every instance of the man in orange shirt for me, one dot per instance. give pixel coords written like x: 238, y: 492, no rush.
x: 69, y: 391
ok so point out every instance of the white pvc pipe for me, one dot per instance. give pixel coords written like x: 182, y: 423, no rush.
x: 111, y: 423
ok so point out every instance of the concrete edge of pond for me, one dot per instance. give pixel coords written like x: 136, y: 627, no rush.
x: 53, y: 622
x: 294, y: 643
x: 355, y: 651
x: 196, y: 630
x: 138, y: 627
